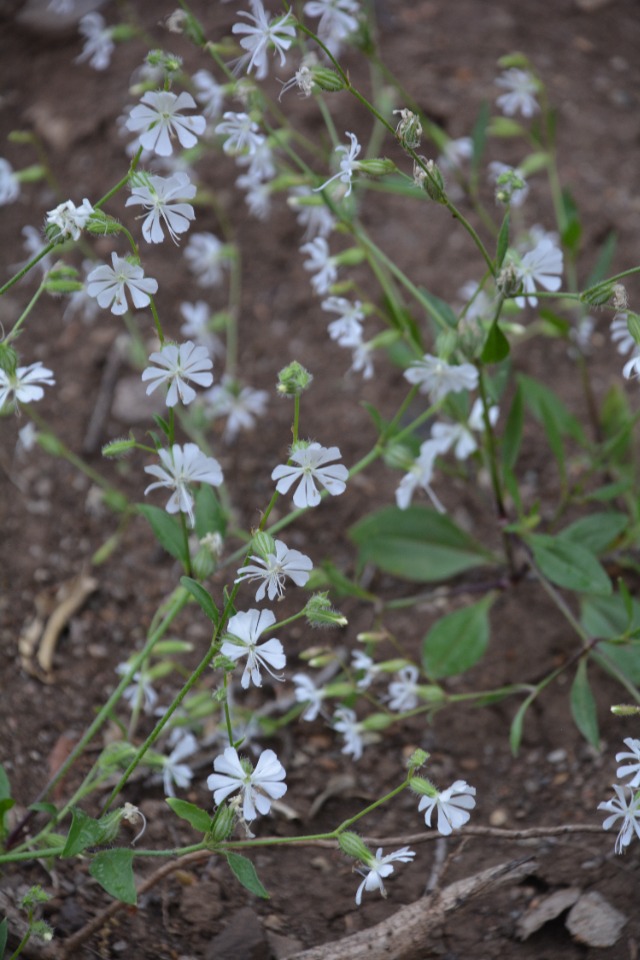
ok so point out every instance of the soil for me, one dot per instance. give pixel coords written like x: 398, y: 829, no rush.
x: 52, y: 523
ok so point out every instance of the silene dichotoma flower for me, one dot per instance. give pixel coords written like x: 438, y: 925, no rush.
x: 321, y: 263
x: 306, y: 692
x: 174, y: 365
x: 260, y: 35
x: 110, y: 284
x: 98, y: 41
x: 174, y: 771
x: 542, y: 266
x: 452, y: 805
x: 626, y: 806
x: 420, y: 475
x: 24, y: 384
x: 163, y: 199
x: 69, y: 219
x: 242, y: 133
x: 272, y: 569
x: 630, y: 769
x: 241, y: 640
x: 378, y: 868
x: 258, y: 787
x: 179, y: 468
x: 338, y: 19
x: 311, y: 463
x: 520, y: 93
x: 206, y: 258
x: 348, y: 164
x: 9, y: 183
x: 158, y: 121
x: 437, y: 378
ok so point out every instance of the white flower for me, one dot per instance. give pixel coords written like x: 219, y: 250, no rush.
x: 109, y: 284
x: 173, y: 771
x: 348, y: 164
x: 378, y: 868
x: 346, y: 723
x: 438, y: 378
x: 140, y: 691
x: 27, y: 437
x: 361, y: 661
x: 321, y: 263
x: 460, y: 435
x: 243, y: 134
x: 277, y: 32
x: 69, y: 219
x: 260, y: 165
x: 632, y: 367
x: 258, y: 196
x: 197, y: 317
x: 273, y: 569
x: 315, y: 217
x: 403, y: 691
x: 311, y: 466
x: 241, y: 406
x: 620, y: 334
x: 478, y: 303
x: 542, y: 265
x: 209, y: 93
x: 182, y: 466
x: 158, y: 117
x: 420, y: 475
x: 24, y: 383
x: 455, y: 152
x: 206, y: 257
x: 174, y: 366
x: 307, y: 692
x: 520, y: 96
x: 258, y: 787
x: 158, y: 195
x: 80, y: 302
x: 630, y: 769
x: 511, y: 184
x: 347, y: 329
x: 627, y: 806
x: 241, y: 640
x: 337, y: 20
x: 9, y: 183
x: 452, y: 804
x: 361, y: 358
x: 99, y: 44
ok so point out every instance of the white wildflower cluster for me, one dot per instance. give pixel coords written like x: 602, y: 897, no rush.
x: 625, y: 343
x: 625, y: 805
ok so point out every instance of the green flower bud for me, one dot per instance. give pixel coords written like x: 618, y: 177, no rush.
x: 263, y: 544
x: 223, y: 823
x: 118, y: 448
x: 8, y: 359
x: 409, y: 129
x: 508, y: 281
x: 378, y: 721
x: 204, y: 564
x: 293, y: 380
x: 353, y: 846
x: 434, y: 183
x: 327, y: 79
x: 320, y: 613
x: 377, y: 167
x: 422, y: 787
x: 417, y: 759
x: 62, y: 286
x: 51, y: 444
x: 350, y: 258
x: 102, y: 224
x: 625, y: 710
x: 633, y: 325
x: 31, y: 174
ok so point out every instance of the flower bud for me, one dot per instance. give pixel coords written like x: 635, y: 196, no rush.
x: 377, y: 167
x: 434, y: 183
x: 625, y: 710
x: 223, y: 823
x: 31, y: 174
x: 118, y: 448
x: 8, y: 359
x: 51, y: 444
x: 320, y: 613
x: 378, y: 721
x: 350, y: 258
x: 102, y: 224
x: 417, y: 759
x: 293, y: 380
x: 409, y: 129
x: 633, y: 325
x: 422, y: 787
x: 599, y: 294
x: 327, y: 79
x: 61, y: 286
x: 353, y: 846
x: 263, y: 544
x: 508, y: 281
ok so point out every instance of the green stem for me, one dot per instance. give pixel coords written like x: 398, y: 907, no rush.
x: 20, y: 274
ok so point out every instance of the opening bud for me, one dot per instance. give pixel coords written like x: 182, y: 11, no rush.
x: 320, y: 613
x: 417, y: 759
x: 293, y: 380
x: 409, y: 129
x: 508, y: 282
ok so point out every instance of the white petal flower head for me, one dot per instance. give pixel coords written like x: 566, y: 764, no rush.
x: 420, y: 476
x: 321, y: 263
x: 620, y: 334
x: 348, y: 164
x: 110, y: 284
x: 197, y: 327
x: 403, y: 691
x: 311, y: 462
x: 630, y: 769
x: 316, y: 218
x: 69, y: 219
x: 378, y: 868
x: 209, y: 93
x: 276, y: 32
x: 241, y: 405
x: 9, y: 183
x: 347, y: 329
x: 362, y: 662
x: 180, y: 467
x: 175, y: 364
x: 346, y: 722
x: 306, y: 692
x: 437, y: 378
x: 99, y: 44
x: 273, y: 568
x: 140, y: 691
x: 242, y: 133
x: 520, y: 93
x: 625, y: 805
x: 338, y: 19
x: 158, y: 120
x: 25, y: 383
x: 258, y: 787
x: 542, y: 266
x: 455, y: 152
x: 460, y: 436
x: 206, y: 258
x: 163, y: 198
x: 453, y: 806
x: 511, y: 183
x: 174, y: 771
x: 241, y: 640
x: 631, y: 369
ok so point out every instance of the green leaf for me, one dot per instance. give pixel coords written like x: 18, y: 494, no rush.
x: 597, y: 532
x: 439, y: 310
x: 4, y: 934
x: 504, y: 127
x: 84, y: 832
x: 417, y: 544
x: 604, y: 261
x: 496, y: 346
x: 517, y: 724
x: 457, y: 641
x: 503, y: 241
x: 569, y: 565
x: 196, y: 816
x: 113, y: 869
x: 209, y: 514
x: 609, y: 491
x: 572, y: 230
x: 5, y: 786
x: 608, y: 618
x: 583, y: 706
x: 544, y: 404
x: 167, y: 529
x: 202, y: 597
x: 244, y: 871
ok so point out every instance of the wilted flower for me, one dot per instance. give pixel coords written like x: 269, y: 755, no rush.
x: 69, y: 219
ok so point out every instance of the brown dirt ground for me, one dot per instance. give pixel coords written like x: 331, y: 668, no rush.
x: 445, y: 53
